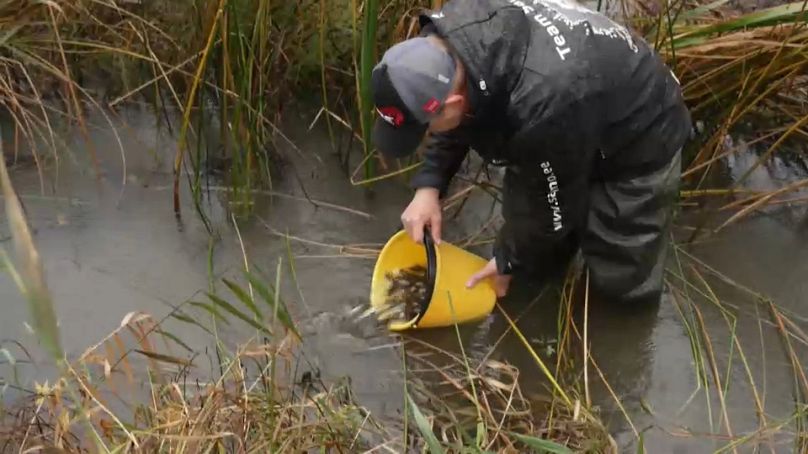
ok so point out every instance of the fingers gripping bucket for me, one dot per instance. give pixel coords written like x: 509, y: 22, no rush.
x: 448, y: 268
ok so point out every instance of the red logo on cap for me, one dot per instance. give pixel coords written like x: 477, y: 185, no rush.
x: 431, y: 106
x: 391, y: 115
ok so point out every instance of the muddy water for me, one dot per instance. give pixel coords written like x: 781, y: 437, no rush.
x: 112, y: 246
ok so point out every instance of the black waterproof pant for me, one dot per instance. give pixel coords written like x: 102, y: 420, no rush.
x: 620, y: 225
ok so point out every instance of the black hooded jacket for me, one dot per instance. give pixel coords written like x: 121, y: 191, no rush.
x: 554, y: 86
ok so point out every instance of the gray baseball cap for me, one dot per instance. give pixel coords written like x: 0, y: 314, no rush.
x: 410, y: 85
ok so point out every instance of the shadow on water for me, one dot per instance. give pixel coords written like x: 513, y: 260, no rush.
x: 110, y: 249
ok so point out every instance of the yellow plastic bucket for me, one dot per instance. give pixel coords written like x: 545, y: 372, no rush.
x: 452, y: 268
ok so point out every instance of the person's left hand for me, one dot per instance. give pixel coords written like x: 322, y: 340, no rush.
x: 501, y: 282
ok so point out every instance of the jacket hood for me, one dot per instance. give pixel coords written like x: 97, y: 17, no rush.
x: 489, y: 52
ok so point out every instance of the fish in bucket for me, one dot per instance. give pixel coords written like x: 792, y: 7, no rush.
x: 424, y: 286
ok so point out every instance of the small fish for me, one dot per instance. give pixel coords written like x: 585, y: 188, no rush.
x: 389, y: 312
x: 405, y: 295
x: 367, y: 313
x: 355, y: 310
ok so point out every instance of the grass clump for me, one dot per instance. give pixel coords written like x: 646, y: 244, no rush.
x: 742, y: 72
x: 242, y: 408
x: 142, y: 389
x: 143, y: 398
x: 478, y: 406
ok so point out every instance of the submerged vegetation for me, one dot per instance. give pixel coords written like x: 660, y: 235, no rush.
x: 232, y: 68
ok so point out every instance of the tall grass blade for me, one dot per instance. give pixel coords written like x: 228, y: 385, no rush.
x: 241, y: 315
x: 164, y: 358
x: 244, y: 298
x: 405, y: 374
x: 32, y: 273
x: 480, y: 441
x: 293, y: 269
x: 211, y: 310
x: 176, y: 339
x: 367, y: 62
x: 272, y: 298
x: 423, y: 426
x: 191, y: 321
x: 764, y: 18
x: 545, y: 370
x: 186, y: 119
x: 542, y: 446
x: 699, y: 10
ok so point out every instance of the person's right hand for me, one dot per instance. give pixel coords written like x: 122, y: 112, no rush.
x: 423, y: 210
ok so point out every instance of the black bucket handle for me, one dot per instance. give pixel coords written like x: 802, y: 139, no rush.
x: 431, y: 271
